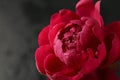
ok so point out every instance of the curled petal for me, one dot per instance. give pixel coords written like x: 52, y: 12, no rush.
x: 97, y: 6
x: 43, y: 36
x: 87, y: 8
x: 112, y: 39
x: 40, y: 56
x: 91, y: 34
x: 64, y: 15
x: 55, y: 18
x: 54, y: 31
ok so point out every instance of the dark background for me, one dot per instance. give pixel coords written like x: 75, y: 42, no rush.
x: 20, y: 23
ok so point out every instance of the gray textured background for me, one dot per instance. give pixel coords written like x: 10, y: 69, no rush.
x: 20, y: 23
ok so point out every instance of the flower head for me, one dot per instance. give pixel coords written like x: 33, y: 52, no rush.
x: 77, y: 46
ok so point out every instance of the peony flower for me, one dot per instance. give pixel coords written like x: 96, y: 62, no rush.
x: 77, y: 46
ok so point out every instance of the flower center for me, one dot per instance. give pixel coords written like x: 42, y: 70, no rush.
x: 70, y: 38
x: 67, y: 44
x: 75, y: 43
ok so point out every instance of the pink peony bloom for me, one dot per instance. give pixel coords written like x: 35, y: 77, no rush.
x: 77, y: 46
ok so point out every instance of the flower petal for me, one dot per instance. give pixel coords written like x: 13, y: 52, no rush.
x: 101, y: 74
x: 64, y: 15
x: 57, y: 70
x: 93, y: 63
x: 54, y: 31
x: 97, y: 6
x: 53, y: 64
x: 91, y: 34
x: 112, y: 39
x: 61, y: 77
x: 114, y: 27
x: 43, y: 36
x: 107, y: 74
x: 88, y: 9
x: 40, y: 56
x: 91, y: 76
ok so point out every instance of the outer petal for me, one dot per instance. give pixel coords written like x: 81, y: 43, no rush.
x: 97, y: 6
x: 53, y: 64
x: 43, y: 36
x: 87, y: 8
x: 64, y: 15
x: 40, y: 56
x: 107, y: 74
x: 102, y: 74
x: 112, y: 38
x: 92, y: 76
x: 114, y: 27
x: 57, y: 70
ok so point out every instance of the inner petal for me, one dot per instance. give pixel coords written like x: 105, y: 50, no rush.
x: 70, y: 39
x: 74, y: 39
x: 88, y: 37
x: 67, y: 46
